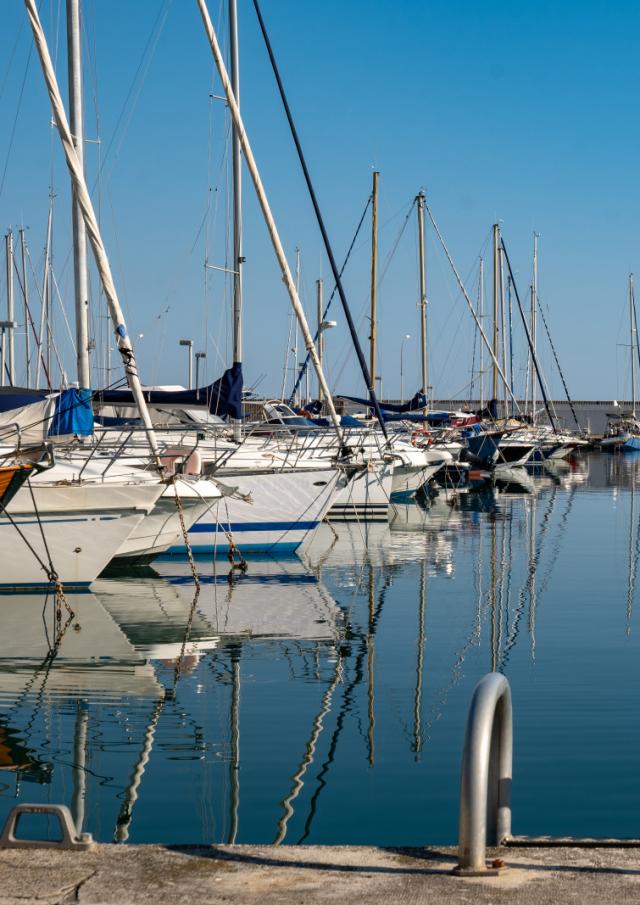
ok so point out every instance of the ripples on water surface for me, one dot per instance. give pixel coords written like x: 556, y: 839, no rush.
x: 323, y: 699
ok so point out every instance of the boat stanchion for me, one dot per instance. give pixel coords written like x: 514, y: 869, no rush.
x: 485, y: 784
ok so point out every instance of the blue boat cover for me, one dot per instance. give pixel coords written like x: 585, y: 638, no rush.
x: 345, y: 421
x: 73, y: 414
x: 418, y: 401
x: 17, y: 397
x: 223, y: 397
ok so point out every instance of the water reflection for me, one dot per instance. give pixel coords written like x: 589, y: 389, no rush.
x: 321, y: 698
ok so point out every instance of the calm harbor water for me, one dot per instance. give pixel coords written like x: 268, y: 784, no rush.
x: 323, y: 698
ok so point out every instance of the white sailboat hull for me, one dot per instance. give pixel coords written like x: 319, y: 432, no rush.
x: 285, y: 507
x: 83, y: 526
x: 162, y: 528
x: 367, y: 496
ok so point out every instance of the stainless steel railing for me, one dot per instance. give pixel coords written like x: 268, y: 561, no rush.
x: 485, y: 784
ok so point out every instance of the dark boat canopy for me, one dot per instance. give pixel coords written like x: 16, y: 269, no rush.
x: 222, y: 397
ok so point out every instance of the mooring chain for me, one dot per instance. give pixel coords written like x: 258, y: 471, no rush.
x: 235, y: 557
x: 52, y: 575
x: 185, y: 535
x: 49, y: 570
x: 61, y: 600
x: 187, y: 635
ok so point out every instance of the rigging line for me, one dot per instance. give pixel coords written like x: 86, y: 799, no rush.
x: 52, y: 570
x: 5, y: 77
x: 52, y: 340
x: 149, y: 48
x: 64, y: 313
x: 555, y: 356
x: 363, y: 316
x: 473, y: 354
x: 472, y: 310
x: 36, y: 336
x: 534, y: 357
x: 394, y: 247
x: 443, y: 331
x: 325, y: 237
x: 635, y: 321
x: 15, y: 119
x: 42, y: 565
x: 333, y: 292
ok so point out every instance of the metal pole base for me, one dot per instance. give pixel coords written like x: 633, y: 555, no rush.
x: 494, y: 868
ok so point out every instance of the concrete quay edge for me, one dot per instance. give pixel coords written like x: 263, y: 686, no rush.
x: 264, y: 874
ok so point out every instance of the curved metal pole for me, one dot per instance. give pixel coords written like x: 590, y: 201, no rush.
x: 485, y: 786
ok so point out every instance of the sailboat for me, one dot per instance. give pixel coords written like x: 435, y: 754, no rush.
x: 623, y: 431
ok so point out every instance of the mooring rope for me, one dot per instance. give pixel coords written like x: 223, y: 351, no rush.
x: 185, y: 534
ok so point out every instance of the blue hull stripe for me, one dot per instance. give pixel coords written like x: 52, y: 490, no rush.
x: 246, y: 579
x: 215, y: 527
x: 43, y: 586
x: 221, y: 549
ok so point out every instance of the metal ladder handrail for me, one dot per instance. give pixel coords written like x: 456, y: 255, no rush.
x: 486, y: 777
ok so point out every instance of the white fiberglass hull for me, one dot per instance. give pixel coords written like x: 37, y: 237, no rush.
x: 367, y: 496
x: 83, y: 526
x: 285, y: 507
x: 162, y: 528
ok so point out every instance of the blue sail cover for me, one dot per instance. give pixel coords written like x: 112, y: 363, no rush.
x: 17, y: 397
x: 222, y: 397
x: 73, y: 414
x: 419, y: 401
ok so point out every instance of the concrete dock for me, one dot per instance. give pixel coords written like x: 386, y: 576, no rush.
x: 307, y: 874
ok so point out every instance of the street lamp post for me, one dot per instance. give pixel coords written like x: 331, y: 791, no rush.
x: 189, y: 344
x: 199, y: 357
x: 322, y: 326
x: 405, y: 338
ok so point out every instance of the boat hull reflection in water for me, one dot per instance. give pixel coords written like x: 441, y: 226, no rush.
x: 322, y: 698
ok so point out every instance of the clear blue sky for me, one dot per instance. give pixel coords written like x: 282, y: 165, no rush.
x: 523, y: 112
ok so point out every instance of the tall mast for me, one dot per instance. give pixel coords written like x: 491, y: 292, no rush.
x: 634, y: 340
x: 296, y: 398
x: 44, y: 313
x: 496, y: 295
x: 534, y: 318
x: 27, y: 315
x: 423, y: 299
x: 481, y: 316
x: 374, y: 279
x: 238, y: 259
x: 84, y: 200
x: 503, y: 328
x: 266, y: 211
x: 80, y: 273
x: 10, y: 319
x: 320, y: 305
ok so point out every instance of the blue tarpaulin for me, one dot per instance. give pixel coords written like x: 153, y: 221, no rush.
x: 223, y: 397
x: 73, y: 414
x: 418, y: 401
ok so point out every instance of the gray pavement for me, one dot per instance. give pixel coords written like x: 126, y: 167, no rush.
x: 263, y: 875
